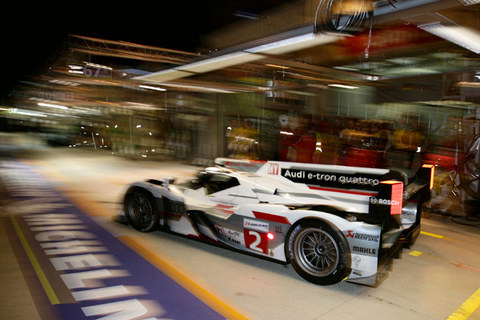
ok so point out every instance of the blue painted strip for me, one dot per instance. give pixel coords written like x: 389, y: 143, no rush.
x: 93, y: 274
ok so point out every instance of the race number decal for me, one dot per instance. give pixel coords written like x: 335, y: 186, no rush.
x: 255, y: 234
x: 256, y: 240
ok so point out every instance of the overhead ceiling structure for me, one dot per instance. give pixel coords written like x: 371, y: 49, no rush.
x: 291, y: 41
x: 301, y: 40
x: 304, y: 53
x: 126, y: 50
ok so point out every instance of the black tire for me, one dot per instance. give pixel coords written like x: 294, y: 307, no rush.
x: 319, y: 252
x: 141, y: 211
x: 470, y: 180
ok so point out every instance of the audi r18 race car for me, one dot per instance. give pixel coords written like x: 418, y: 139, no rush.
x: 331, y: 223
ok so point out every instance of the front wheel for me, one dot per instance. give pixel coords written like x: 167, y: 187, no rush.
x: 141, y: 211
x: 318, y: 253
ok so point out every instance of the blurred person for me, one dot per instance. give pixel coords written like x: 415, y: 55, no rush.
x: 407, y: 137
x: 304, y: 142
x: 407, y: 144
x: 457, y: 160
x: 286, y: 138
x: 232, y: 132
x: 328, y: 145
x: 242, y: 140
x: 365, y: 145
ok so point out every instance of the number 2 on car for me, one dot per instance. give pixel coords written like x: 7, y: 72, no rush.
x: 255, y: 240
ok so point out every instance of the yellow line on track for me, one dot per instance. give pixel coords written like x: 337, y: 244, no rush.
x: 438, y: 236
x: 35, y: 264
x: 467, y: 308
x: 433, y: 235
x: 190, y: 285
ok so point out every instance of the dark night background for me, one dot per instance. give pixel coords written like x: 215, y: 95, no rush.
x: 33, y: 34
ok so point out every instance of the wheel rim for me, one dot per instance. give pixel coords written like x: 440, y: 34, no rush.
x: 472, y: 178
x: 140, y: 210
x: 317, y: 252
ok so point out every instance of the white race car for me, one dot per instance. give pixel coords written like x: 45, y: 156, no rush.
x: 331, y: 223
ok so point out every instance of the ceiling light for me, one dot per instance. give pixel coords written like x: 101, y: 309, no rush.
x: 276, y: 66
x: 95, y: 65
x: 469, y: 2
x: 50, y: 105
x: 462, y: 36
x: 342, y: 86
x: 220, y: 62
x: 198, y: 88
x: 63, y: 82
x: 469, y: 84
x: 303, y: 41
x: 27, y: 112
x: 152, y: 88
x: 242, y: 56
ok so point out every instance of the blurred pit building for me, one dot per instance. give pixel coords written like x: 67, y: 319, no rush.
x: 358, y: 82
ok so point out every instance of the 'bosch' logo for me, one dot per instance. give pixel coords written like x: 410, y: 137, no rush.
x: 384, y: 202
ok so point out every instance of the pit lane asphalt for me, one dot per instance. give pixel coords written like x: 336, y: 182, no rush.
x: 432, y: 280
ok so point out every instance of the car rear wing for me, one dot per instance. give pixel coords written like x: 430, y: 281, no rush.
x: 240, y: 164
x: 386, y: 190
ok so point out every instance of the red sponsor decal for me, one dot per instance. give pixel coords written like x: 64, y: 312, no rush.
x: 273, y: 168
x: 225, y: 209
x: 270, y: 217
x: 396, y: 202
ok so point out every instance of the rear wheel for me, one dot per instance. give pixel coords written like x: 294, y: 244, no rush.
x: 318, y: 253
x: 141, y: 211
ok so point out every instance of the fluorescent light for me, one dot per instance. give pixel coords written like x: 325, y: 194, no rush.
x: 31, y: 113
x: 63, y: 82
x: 462, y: 36
x: 164, y: 75
x: 469, y: 2
x: 26, y: 112
x: 197, y: 88
x: 295, y: 43
x: 90, y: 64
x: 342, y: 86
x: 276, y: 66
x: 242, y: 56
x: 152, y: 88
x: 220, y: 62
x: 469, y: 84
x: 50, y: 105
x: 202, y: 66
